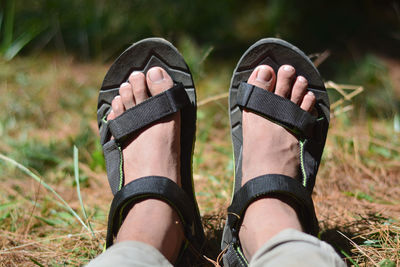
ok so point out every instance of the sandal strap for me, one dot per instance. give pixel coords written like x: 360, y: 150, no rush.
x: 104, y: 131
x: 155, y: 187
x: 149, y: 111
x: 276, y: 108
x: 278, y: 186
x: 113, y: 159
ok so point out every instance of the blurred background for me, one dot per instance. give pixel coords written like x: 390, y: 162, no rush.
x: 55, y: 53
x: 358, y: 34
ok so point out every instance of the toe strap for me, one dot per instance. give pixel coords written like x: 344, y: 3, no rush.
x: 276, y: 108
x: 149, y: 111
x: 155, y: 187
x: 278, y: 186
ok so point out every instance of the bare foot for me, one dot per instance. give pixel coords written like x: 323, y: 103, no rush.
x: 153, y: 151
x: 268, y: 148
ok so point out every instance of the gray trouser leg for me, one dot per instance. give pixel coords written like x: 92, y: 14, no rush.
x: 288, y: 248
x: 294, y: 248
x: 130, y: 253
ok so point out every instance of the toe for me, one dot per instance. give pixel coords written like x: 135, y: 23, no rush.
x: 308, y: 101
x: 284, y: 81
x: 117, y: 106
x: 299, y: 90
x: 126, y: 93
x: 264, y: 77
x: 138, y: 82
x: 111, y: 115
x: 158, y: 80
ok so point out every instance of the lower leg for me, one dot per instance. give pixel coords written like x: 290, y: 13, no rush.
x: 151, y: 221
x: 264, y: 219
x: 270, y: 149
x: 155, y: 223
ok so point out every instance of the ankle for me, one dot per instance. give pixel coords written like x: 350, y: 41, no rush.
x: 143, y: 224
x: 264, y: 219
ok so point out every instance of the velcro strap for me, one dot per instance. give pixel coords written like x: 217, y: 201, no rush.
x: 104, y: 132
x: 276, y: 108
x: 149, y: 111
x: 277, y: 186
x: 155, y: 187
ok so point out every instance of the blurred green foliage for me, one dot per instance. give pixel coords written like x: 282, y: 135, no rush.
x: 10, y: 46
x: 101, y: 28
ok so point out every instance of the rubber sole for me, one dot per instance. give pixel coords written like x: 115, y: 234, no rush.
x: 142, y: 56
x: 275, y: 53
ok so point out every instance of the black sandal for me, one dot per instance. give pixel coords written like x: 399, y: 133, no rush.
x: 310, y: 130
x: 142, y: 56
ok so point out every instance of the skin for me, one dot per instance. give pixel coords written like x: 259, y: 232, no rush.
x: 151, y: 221
x: 267, y: 148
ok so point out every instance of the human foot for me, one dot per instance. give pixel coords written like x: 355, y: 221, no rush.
x: 268, y: 148
x: 159, y: 143
x: 154, y: 151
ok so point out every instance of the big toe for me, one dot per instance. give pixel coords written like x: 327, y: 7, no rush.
x: 264, y: 77
x: 158, y: 80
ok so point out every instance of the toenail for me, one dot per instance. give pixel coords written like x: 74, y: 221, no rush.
x: 302, y: 79
x: 263, y: 74
x: 135, y: 73
x: 156, y: 75
x: 310, y: 93
x: 288, y: 68
x: 125, y: 84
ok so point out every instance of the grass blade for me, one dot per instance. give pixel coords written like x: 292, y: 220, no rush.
x: 36, y: 262
x: 40, y: 181
x: 1, y: 19
x: 9, y: 204
x: 8, y: 24
x: 358, y: 247
x: 13, y: 49
x: 78, y: 189
x: 349, y: 257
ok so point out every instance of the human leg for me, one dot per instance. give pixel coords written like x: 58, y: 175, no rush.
x: 271, y: 231
x: 147, y: 131
x: 270, y: 148
x: 279, y: 128
x: 152, y: 223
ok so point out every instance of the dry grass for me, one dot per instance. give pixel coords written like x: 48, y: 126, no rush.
x: 50, y: 106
